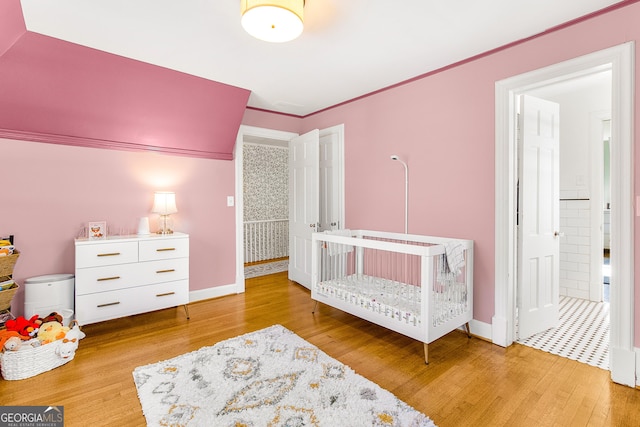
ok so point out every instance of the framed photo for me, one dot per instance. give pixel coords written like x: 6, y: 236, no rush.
x: 97, y: 230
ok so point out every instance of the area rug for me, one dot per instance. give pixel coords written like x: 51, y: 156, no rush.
x: 263, y: 269
x: 270, y: 377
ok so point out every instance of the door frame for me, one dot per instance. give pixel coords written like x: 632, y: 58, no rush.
x: 238, y: 156
x: 277, y: 135
x: 620, y: 59
x: 596, y: 147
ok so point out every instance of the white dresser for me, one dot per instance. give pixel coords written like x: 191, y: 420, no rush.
x: 125, y: 275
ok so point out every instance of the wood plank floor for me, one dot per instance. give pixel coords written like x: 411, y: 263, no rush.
x: 469, y: 382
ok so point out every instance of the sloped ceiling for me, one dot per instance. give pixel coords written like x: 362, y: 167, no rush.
x: 60, y: 92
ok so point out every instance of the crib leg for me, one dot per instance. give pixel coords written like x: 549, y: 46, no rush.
x: 466, y: 326
x: 314, y: 307
x: 426, y: 353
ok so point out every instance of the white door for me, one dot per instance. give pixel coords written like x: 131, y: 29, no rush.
x: 538, y: 223
x: 329, y: 182
x: 303, y: 203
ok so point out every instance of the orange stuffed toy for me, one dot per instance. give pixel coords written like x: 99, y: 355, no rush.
x: 9, y: 335
x: 26, y: 328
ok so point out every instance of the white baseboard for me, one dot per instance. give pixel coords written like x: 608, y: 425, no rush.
x: 498, y: 331
x: 480, y: 329
x: 623, y: 366
x: 215, y: 292
x: 637, y: 351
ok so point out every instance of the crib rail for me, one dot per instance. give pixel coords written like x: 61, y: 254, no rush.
x: 399, y: 281
x: 264, y: 240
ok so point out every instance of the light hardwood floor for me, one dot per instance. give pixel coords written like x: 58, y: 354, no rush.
x: 469, y: 382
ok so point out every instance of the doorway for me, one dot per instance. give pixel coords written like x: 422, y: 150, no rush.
x: 333, y: 136
x: 619, y: 60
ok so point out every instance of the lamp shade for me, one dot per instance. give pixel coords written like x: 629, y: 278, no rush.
x: 164, y: 203
x: 273, y: 20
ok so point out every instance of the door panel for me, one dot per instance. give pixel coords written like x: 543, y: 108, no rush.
x: 329, y: 180
x: 539, y: 227
x: 303, y: 203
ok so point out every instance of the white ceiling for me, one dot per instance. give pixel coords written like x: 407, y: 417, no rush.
x: 349, y: 48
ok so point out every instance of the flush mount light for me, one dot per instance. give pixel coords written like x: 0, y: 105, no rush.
x: 273, y: 20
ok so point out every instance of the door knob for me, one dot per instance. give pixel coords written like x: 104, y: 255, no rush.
x: 558, y: 233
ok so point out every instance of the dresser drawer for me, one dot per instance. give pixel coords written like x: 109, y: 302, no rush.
x: 151, y: 250
x: 126, y: 302
x: 108, y: 278
x: 166, y: 270
x: 96, y: 255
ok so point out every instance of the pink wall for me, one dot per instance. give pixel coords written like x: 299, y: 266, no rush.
x: 443, y: 126
x: 51, y: 190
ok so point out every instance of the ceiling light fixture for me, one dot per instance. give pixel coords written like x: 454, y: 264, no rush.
x: 273, y: 20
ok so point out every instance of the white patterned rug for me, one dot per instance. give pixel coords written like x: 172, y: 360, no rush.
x: 270, y: 377
x: 263, y: 269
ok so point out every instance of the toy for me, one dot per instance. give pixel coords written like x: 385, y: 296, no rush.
x: 52, y: 317
x: 12, y: 344
x: 51, y: 331
x: 70, y: 342
x: 75, y: 332
x: 26, y: 328
x: 7, y: 335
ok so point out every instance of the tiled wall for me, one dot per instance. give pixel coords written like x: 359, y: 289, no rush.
x: 575, y: 245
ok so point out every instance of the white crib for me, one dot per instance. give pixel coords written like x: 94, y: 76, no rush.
x: 400, y: 281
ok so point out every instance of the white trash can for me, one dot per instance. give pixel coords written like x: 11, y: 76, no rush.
x: 46, y: 294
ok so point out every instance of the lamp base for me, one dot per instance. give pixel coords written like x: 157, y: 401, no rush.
x: 165, y: 225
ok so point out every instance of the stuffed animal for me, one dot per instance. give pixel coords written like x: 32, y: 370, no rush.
x: 51, y: 331
x: 12, y: 344
x: 70, y: 342
x: 75, y: 333
x: 52, y: 317
x: 26, y: 328
x: 8, y: 335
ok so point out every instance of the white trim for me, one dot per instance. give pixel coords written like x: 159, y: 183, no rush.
x: 620, y: 59
x: 596, y: 197
x: 238, y: 157
x: 338, y: 130
x: 480, y: 329
x: 637, y: 351
x: 215, y: 292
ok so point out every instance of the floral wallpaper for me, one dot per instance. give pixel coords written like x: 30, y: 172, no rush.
x: 266, y: 182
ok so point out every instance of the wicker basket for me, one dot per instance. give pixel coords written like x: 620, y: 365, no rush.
x: 6, y: 272
x: 26, y: 363
x: 6, y: 296
x: 7, y: 263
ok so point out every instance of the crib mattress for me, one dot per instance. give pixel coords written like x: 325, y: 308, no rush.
x: 396, y: 300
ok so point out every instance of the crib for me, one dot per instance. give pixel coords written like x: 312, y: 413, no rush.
x: 418, y: 286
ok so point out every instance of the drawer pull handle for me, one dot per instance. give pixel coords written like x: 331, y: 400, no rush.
x: 110, y: 254
x: 166, y: 271
x: 108, y: 304
x: 165, y: 249
x: 104, y: 279
x: 165, y: 294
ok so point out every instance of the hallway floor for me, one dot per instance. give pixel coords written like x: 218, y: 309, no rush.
x: 582, y: 333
